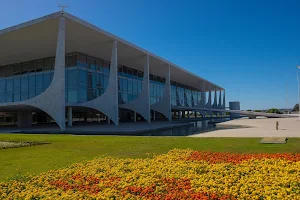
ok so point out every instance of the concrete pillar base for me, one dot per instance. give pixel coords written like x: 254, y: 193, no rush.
x: 24, y: 119
x: 108, y: 120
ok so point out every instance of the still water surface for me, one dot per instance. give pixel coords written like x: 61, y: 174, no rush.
x: 195, y: 128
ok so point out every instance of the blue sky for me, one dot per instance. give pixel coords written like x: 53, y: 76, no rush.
x: 251, y: 48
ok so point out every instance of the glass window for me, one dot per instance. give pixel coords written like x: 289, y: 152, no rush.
x: 82, y: 62
x: 91, y: 63
x: 39, y: 83
x: 124, y: 97
x: 71, y: 61
x: 130, y: 97
x: 2, y: 85
x: 39, y: 66
x: 72, y: 78
x: 25, y: 68
x: 46, y: 62
x: 17, y: 97
x: 140, y: 75
x: 124, y: 71
x: 125, y: 84
x: 129, y: 85
x: 31, y: 67
x: 151, y: 89
x: 90, y: 80
x: 2, y: 97
x: 17, y: 85
x: 31, y: 94
x: 120, y: 70
x: 9, y: 97
x: 72, y: 95
x: 105, y: 81
x: 47, y: 80
x: 82, y: 95
x: 24, y: 83
x: 94, y: 81
x: 2, y: 72
x: 9, y: 71
x: 24, y: 96
x: 135, y: 85
x: 17, y: 69
x: 129, y: 71
x: 82, y: 77
x: 91, y: 94
x: 106, y: 67
x: 99, y: 65
x: 9, y: 85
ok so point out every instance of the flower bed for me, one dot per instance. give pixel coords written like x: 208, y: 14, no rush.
x: 179, y: 174
x: 16, y: 144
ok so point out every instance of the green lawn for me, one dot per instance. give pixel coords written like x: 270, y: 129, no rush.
x: 67, y: 149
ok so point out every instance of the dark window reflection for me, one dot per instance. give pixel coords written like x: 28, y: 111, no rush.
x: 86, y: 78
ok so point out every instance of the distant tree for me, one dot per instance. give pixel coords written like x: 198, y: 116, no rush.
x: 274, y: 110
x: 248, y: 110
x: 296, y: 107
x: 257, y: 110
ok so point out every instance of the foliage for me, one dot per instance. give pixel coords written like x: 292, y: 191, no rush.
x: 257, y: 110
x: 179, y: 174
x: 274, y: 110
x: 16, y: 144
x: 296, y: 107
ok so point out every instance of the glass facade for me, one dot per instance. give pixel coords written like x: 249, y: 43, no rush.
x: 86, y: 78
x: 157, y: 85
x: 182, y: 95
x: 22, y: 81
x: 130, y: 84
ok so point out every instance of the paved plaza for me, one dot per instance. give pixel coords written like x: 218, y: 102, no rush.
x: 260, y: 127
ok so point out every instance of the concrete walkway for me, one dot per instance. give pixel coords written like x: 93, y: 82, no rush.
x: 260, y: 127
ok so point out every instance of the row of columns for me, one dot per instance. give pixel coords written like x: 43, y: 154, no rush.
x: 140, y: 105
x: 107, y: 103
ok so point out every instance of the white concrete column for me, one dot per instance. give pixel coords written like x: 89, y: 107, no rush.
x: 209, y: 97
x: 215, y: 99
x: 224, y: 102
x: 70, y: 117
x: 180, y: 114
x: 188, y: 114
x: 52, y: 100
x: 203, y: 95
x: 134, y: 116
x: 220, y: 100
x: 114, y: 78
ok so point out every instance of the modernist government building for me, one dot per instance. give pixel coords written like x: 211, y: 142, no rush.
x: 61, y: 69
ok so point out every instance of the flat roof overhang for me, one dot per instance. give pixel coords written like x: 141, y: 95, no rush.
x: 37, y: 39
